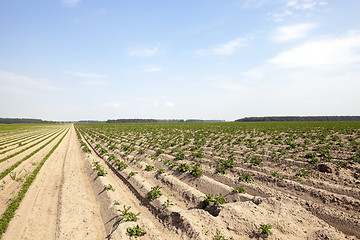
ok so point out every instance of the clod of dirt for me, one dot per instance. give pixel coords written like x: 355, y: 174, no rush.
x: 325, y: 168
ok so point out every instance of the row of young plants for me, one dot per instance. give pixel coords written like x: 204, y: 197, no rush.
x: 230, y: 163
x: 12, y: 167
x: 208, y: 200
x: 21, y: 132
x: 28, y: 147
x: 200, y: 145
x: 223, y: 164
x: 15, y: 203
x: 22, y: 142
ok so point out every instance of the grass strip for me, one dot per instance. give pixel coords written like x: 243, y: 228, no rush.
x: 6, y: 172
x: 23, y: 150
x: 15, y: 203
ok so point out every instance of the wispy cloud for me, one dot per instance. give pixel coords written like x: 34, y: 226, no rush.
x: 169, y: 104
x: 70, y: 3
x: 143, y: 52
x: 21, y: 84
x: 257, y: 74
x: 87, y: 75
x: 292, y: 32
x: 298, y: 8
x: 227, y: 48
x: 153, y: 69
x: 94, y: 82
x: 114, y: 104
x: 322, y: 52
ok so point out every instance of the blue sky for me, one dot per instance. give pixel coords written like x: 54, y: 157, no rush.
x: 92, y: 59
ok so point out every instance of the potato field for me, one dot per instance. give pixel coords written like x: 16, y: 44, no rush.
x: 273, y: 180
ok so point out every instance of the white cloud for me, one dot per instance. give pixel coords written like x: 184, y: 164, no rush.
x: 322, y: 52
x: 227, y: 48
x: 169, y: 104
x: 152, y: 69
x: 70, y: 3
x: 299, y: 8
x: 87, y: 75
x: 20, y: 84
x: 143, y: 52
x: 292, y: 32
x: 253, y: 74
x: 115, y: 104
x: 94, y: 82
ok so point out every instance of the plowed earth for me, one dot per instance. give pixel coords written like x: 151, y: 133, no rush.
x: 68, y: 200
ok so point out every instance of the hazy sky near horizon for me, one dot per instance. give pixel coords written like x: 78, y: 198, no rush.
x: 208, y: 59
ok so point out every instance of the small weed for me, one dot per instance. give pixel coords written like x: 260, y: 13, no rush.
x: 168, y: 202
x: 128, y: 216
x: 116, y: 203
x: 218, y: 235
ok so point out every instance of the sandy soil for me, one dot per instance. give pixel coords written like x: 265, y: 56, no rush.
x: 305, y: 209
x: 68, y: 200
x: 60, y: 203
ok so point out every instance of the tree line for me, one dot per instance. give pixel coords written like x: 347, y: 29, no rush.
x: 22, y: 121
x: 299, y: 119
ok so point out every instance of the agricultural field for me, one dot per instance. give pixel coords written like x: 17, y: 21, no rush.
x: 288, y: 180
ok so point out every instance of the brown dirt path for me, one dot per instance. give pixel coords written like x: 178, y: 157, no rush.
x: 60, y: 203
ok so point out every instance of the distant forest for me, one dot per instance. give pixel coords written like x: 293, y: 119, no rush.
x: 22, y: 120
x: 159, y: 120
x: 299, y: 119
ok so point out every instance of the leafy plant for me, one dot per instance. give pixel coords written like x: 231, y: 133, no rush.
x: 196, y: 170
x: 121, y: 165
x: 180, y: 156
x: 161, y: 171
x: 302, y: 174
x: 168, y: 202
x: 257, y: 161
x: 217, y: 200
x: 209, y: 198
x: 265, y: 229
x: 135, y: 231
x: 128, y: 216
x: 100, y: 169
x: 246, y: 177
x: 221, y: 169
x: 149, y: 167
x: 154, y: 193
x: 183, y: 167
x: 239, y: 189
x: 218, y: 235
x: 132, y: 174
x: 109, y: 187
